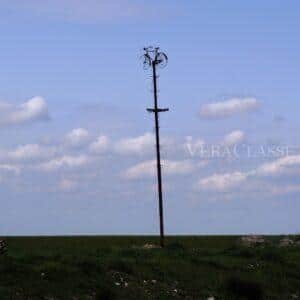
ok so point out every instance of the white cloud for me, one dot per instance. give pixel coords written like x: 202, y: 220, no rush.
x: 30, y: 152
x: 10, y: 168
x: 77, y: 137
x: 193, y: 146
x: 141, y: 170
x: 64, y: 162
x: 221, y: 182
x: 284, y: 165
x: 144, y: 145
x: 139, y: 145
x: 229, y: 107
x: 233, y: 138
x: 32, y: 110
x: 169, y: 167
x: 100, y: 146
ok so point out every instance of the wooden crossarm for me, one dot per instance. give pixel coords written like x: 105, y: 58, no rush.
x: 152, y: 110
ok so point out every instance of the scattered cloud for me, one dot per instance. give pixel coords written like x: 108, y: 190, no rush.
x: 141, y: 170
x: 192, y: 146
x: 64, y: 162
x: 77, y: 137
x: 30, y: 152
x: 144, y: 145
x: 169, y: 167
x: 280, y: 167
x: 181, y: 167
x: 233, y: 138
x: 221, y: 182
x: 228, y: 108
x: 100, y: 146
x: 138, y: 145
x: 10, y: 168
x: 284, y: 165
x: 35, y: 109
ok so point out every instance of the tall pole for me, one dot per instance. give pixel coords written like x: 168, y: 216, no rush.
x: 153, y: 57
x: 158, y: 164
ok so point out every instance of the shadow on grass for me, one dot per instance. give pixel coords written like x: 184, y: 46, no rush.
x: 244, y: 288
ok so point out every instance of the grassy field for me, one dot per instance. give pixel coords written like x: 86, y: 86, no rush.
x: 121, y: 268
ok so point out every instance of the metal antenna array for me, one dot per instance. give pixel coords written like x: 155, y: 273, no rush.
x: 154, y: 58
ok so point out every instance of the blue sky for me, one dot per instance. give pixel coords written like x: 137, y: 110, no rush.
x: 77, y: 146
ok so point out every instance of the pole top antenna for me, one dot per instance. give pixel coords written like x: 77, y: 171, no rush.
x: 153, y: 56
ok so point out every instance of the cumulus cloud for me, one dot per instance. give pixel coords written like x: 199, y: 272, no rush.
x: 192, y: 146
x: 228, y: 108
x: 64, y: 162
x: 30, y: 152
x: 169, y: 167
x: 143, y: 145
x: 280, y: 167
x: 284, y: 165
x: 100, y: 146
x: 138, y: 145
x: 77, y: 137
x: 221, y: 182
x: 33, y: 110
x: 233, y: 138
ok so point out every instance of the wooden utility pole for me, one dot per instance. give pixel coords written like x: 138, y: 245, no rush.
x: 153, y: 58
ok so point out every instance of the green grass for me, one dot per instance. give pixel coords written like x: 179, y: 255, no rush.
x: 119, y: 268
